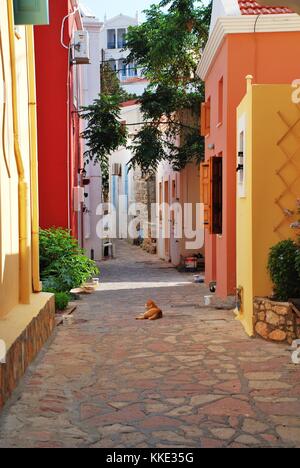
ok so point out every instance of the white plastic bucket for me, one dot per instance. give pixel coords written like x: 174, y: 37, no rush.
x: 207, y: 300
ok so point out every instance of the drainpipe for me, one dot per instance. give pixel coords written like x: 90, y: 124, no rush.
x: 37, y: 286
x: 24, y: 261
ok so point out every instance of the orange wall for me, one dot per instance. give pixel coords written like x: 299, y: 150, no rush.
x: 272, y: 59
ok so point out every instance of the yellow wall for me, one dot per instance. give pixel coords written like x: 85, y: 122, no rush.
x: 272, y: 136
x: 245, y: 221
x: 9, y: 175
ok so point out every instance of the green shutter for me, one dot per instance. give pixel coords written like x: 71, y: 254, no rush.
x: 31, y: 12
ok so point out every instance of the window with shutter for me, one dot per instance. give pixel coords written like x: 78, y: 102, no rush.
x: 31, y: 12
x: 205, y: 118
x: 217, y: 194
x: 211, y: 181
x: 205, y: 196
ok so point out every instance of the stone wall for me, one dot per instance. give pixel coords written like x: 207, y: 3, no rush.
x: 24, y: 350
x: 276, y: 321
x: 144, y: 193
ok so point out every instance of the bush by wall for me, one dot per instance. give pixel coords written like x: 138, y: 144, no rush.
x: 63, y: 264
x: 284, y: 269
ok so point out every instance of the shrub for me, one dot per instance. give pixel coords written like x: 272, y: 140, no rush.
x: 63, y: 264
x: 61, y: 300
x: 297, y: 261
x: 284, y: 268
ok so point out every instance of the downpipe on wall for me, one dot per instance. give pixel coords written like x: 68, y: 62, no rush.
x: 24, y: 263
x: 36, y: 283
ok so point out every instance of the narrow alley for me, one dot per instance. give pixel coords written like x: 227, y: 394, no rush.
x: 192, y: 379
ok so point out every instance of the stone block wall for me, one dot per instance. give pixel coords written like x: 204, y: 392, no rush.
x: 24, y: 350
x: 275, y: 321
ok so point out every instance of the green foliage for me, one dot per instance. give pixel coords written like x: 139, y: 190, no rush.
x: 63, y: 264
x: 54, y: 244
x: 297, y: 261
x: 148, y: 148
x: 167, y: 48
x: 62, y: 300
x: 105, y: 132
x: 284, y: 268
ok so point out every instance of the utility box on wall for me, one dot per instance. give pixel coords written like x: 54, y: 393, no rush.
x: 81, y: 48
x: 31, y: 12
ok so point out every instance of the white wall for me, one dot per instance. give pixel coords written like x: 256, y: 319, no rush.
x: 223, y: 8
x: 91, y: 90
x: 130, y: 114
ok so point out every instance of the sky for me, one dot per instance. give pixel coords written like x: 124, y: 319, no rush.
x: 115, y: 7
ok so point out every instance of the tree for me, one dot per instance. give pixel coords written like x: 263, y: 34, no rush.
x: 167, y: 48
x: 105, y: 132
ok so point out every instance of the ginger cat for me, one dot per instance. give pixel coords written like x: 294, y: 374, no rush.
x: 152, y: 312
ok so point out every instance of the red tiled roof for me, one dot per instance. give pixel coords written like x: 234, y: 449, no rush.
x: 134, y: 80
x: 133, y: 102
x: 251, y: 7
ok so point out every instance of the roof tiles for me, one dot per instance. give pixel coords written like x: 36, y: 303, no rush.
x: 251, y: 7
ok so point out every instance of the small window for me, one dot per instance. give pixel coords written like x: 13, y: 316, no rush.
x: 122, y: 69
x: 113, y: 65
x: 241, y: 157
x: 173, y: 189
x: 121, y: 38
x: 220, y: 101
x: 111, y: 38
x: 217, y: 195
x: 211, y: 173
x: 132, y: 70
x: 205, y: 118
x: 160, y: 201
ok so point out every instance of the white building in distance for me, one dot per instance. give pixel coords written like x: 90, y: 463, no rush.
x: 91, y: 90
x: 112, y: 43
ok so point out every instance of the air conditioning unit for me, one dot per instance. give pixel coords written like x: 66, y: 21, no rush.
x: 81, y: 55
x: 117, y: 170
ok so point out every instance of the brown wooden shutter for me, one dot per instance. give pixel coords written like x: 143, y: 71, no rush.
x: 205, y: 192
x: 205, y: 118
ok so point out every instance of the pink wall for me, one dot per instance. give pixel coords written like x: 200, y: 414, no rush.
x: 270, y: 58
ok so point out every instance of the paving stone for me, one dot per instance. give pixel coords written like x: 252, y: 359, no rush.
x: 290, y: 434
x: 247, y: 440
x: 228, y: 407
x: 269, y: 385
x: 109, y: 381
x: 262, y: 375
x: 203, y: 399
x: 252, y: 426
x: 223, y: 433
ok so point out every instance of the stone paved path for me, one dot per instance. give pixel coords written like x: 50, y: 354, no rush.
x: 192, y: 379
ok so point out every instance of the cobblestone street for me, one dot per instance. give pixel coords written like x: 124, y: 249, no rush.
x: 193, y: 379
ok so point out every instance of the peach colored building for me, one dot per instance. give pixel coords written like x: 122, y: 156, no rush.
x: 244, y: 39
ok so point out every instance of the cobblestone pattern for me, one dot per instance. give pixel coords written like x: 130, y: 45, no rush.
x: 192, y: 379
